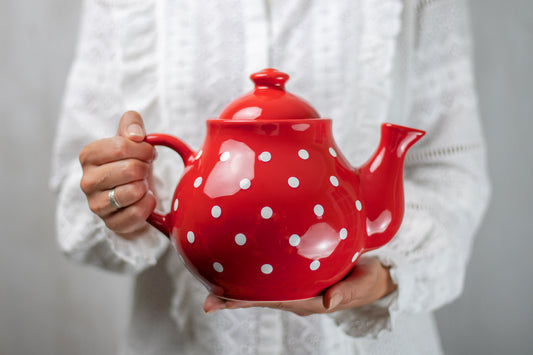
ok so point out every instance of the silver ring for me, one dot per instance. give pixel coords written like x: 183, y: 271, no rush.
x: 113, y: 200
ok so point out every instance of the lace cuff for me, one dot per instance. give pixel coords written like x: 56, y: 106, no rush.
x: 140, y: 252
x: 370, y: 320
x: 84, y: 237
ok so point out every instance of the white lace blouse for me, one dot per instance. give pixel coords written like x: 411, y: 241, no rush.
x: 360, y: 62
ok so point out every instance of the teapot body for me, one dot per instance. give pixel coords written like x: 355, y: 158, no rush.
x: 268, y: 211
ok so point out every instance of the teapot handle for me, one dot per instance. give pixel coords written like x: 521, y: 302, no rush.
x: 157, y: 220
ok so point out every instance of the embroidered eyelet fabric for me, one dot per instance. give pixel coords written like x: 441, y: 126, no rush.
x: 359, y: 62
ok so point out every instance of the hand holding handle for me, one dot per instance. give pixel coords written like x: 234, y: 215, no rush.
x: 157, y: 220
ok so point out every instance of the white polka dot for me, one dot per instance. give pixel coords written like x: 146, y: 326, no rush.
x: 240, y: 239
x: 199, y: 154
x: 245, y: 184
x: 190, y: 237
x: 176, y: 203
x: 332, y: 152
x: 265, y: 156
x: 218, y: 267
x: 304, y: 154
x: 266, y: 212
x: 294, y: 240
x: 343, y: 233
x: 293, y: 182
x: 198, y: 181
x: 319, y: 210
x: 315, y: 264
x: 358, y: 205
x: 334, y: 181
x: 224, y: 156
x: 266, y: 269
x: 216, y: 211
x: 356, y: 255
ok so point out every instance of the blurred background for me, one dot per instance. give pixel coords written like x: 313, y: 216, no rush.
x: 49, y: 306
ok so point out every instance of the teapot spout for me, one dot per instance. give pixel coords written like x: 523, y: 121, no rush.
x: 382, y: 184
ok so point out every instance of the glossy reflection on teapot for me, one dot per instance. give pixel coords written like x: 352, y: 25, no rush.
x: 269, y: 209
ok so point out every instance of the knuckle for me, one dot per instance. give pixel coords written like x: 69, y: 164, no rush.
x: 119, y: 147
x: 86, y: 184
x: 139, y: 190
x: 135, y: 169
x: 86, y: 155
x: 139, y: 212
x: 83, y: 156
x: 112, y: 224
x: 95, y: 206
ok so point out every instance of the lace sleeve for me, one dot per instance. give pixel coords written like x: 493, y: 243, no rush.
x: 446, y: 183
x: 92, y: 107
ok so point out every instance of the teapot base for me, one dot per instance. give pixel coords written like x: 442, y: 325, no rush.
x: 259, y: 302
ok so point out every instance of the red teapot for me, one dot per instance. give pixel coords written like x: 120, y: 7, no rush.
x: 269, y: 209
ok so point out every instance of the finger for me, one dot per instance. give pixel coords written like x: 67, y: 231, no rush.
x: 108, y: 150
x: 108, y: 176
x: 131, y: 126
x: 300, y: 307
x: 132, y: 218
x: 213, y: 303
x: 361, y: 286
x: 125, y: 195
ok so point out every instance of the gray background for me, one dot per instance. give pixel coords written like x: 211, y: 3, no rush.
x: 49, y: 306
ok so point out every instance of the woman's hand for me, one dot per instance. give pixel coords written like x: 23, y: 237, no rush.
x: 122, y: 163
x: 368, y: 281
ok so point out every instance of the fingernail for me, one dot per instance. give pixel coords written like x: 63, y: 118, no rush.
x: 135, y: 130
x: 334, y: 301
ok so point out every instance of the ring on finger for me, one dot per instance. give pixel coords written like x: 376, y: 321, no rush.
x: 113, y: 200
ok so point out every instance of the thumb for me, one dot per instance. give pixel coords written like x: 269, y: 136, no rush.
x: 333, y: 298
x: 131, y: 126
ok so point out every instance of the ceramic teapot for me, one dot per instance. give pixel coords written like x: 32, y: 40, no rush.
x: 269, y: 209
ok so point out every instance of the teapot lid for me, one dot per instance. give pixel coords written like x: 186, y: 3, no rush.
x: 268, y: 101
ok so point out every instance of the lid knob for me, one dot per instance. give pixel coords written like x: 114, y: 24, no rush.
x: 269, y: 78
x: 269, y: 101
